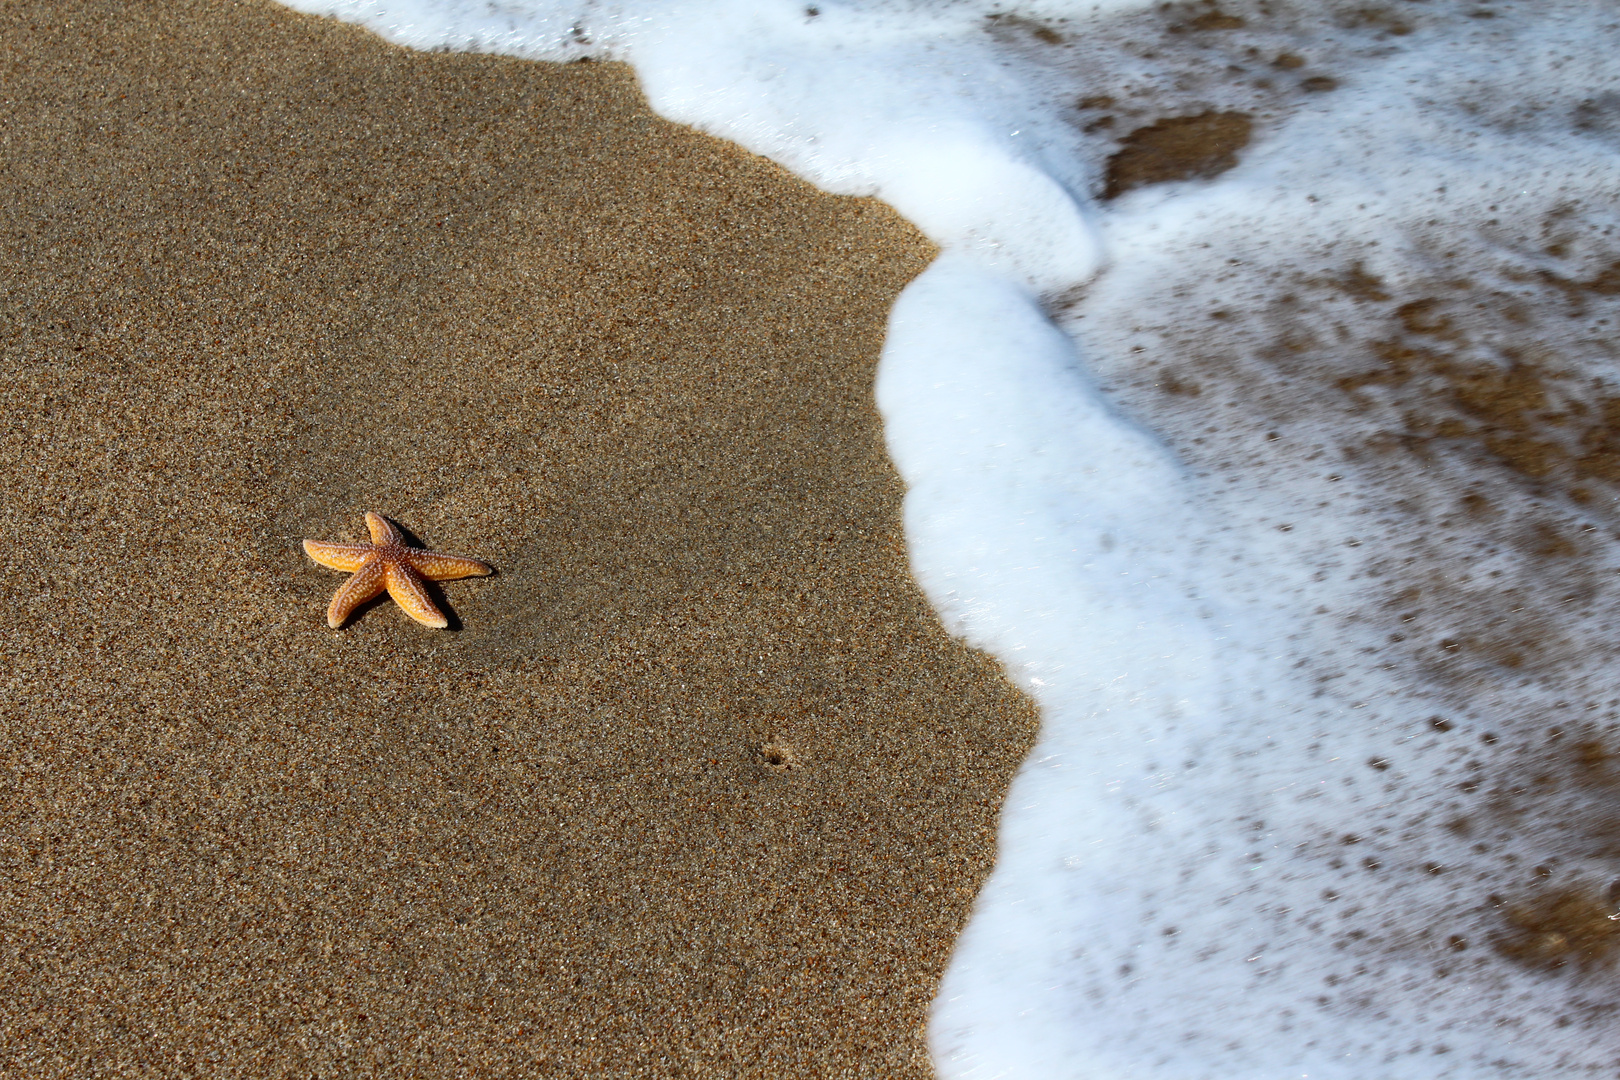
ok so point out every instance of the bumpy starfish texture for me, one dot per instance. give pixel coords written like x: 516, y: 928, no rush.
x: 386, y: 563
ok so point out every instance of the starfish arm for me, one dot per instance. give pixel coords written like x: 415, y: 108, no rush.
x: 409, y: 593
x: 436, y: 567
x: 367, y: 582
x: 345, y: 557
x: 382, y: 530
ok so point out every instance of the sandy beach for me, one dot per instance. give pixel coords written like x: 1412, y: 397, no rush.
x: 694, y: 785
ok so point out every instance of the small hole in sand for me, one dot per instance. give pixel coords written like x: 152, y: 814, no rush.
x: 778, y: 756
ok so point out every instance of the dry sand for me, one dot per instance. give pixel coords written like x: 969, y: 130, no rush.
x: 696, y: 785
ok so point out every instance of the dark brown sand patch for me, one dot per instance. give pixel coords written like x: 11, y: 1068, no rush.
x: 1177, y: 148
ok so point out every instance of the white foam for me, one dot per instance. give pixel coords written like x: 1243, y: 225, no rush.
x: 1253, y: 840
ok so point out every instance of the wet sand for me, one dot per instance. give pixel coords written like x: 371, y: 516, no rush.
x: 695, y: 784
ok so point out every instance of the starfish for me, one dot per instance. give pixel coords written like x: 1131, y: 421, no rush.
x: 386, y: 563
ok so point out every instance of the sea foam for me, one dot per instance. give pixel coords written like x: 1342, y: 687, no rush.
x: 1285, y: 488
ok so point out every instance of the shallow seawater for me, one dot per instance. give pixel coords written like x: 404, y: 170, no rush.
x: 1263, y: 419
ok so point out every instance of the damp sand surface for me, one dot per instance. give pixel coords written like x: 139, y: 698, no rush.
x: 694, y: 785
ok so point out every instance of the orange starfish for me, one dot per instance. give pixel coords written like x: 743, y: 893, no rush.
x: 386, y: 563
